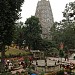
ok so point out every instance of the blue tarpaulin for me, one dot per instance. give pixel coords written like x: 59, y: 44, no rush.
x: 33, y: 74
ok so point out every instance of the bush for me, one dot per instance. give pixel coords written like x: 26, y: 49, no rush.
x: 6, y: 73
x: 60, y: 72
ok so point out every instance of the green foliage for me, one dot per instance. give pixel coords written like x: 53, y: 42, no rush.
x: 61, y: 53
x: 60, y: 72
x: 69, y: 25
x: 69, y: 11
x: 42, y: 73
x: 6, y: 73
x: 19, y: 34
x: 32, y: 32
x: 8, y: 15
x: 15, y: 52
x: 47, y: 46
x: 65, y: 30
x: 57, y: 33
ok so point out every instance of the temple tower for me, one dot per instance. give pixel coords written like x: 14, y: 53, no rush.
x: 44, y: 13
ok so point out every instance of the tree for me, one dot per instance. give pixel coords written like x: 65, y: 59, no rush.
x: 69, y: 11
x: 64, y: 31
x: 32, y: 32
x: 69, y: 25
x: 46, y: 46
x: 57, y: 33
x: 19, y: 34
x: 9, y: 13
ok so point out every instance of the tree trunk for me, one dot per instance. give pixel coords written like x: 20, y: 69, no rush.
x: 29, y: 47
x: 2, y: 66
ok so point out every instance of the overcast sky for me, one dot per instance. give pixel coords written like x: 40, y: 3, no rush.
x: 58, y: 6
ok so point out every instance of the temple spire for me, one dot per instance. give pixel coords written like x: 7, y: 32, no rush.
x: 44, y: 0
x: 44, y: 13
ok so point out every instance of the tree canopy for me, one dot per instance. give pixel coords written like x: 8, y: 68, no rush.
x: 65, y: 30
x: 32, y: 32
x: 9, y: 14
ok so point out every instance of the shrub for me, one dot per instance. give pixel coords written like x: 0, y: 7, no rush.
x: 6, y: 73
x: 61, y: 72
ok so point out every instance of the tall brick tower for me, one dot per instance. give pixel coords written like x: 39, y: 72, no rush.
x: 44, y: 13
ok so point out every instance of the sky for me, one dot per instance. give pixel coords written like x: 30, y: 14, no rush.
x: 58, y: 6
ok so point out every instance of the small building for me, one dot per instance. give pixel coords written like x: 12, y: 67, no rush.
x: 37, y: 54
